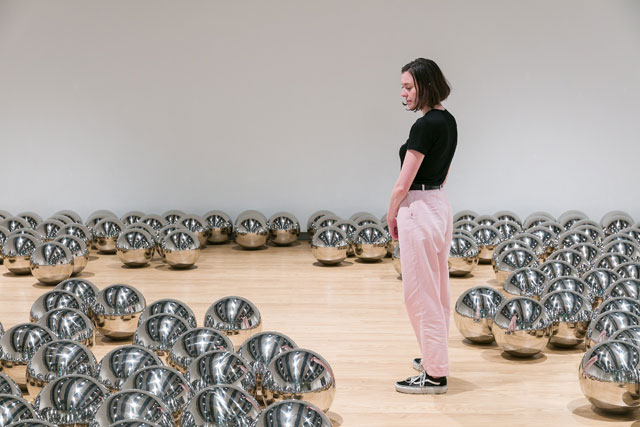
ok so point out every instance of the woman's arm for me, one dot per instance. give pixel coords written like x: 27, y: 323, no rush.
x: 410, y: 166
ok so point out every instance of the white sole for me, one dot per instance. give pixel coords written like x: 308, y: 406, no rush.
x: 421, y: 390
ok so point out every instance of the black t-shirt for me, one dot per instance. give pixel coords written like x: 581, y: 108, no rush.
x: 436, y: 136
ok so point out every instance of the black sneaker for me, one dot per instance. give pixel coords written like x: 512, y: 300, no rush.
x: 422, y: 384
x: 417, y: 364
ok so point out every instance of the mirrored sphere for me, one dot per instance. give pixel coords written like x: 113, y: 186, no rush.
x: 9, y: 386
x: 526, y: 282
x: 49, y: 229
x: 83, y: 289
x: 330, y: 245
x: 474, y: 311
x: 487, y: 238
x: 173, y: 216
x: 221, y: 405
x: 558, y: 268
x: 13, y: 223
x: 599, y: 280
x: 72, y: 215
x: 467, y: 225
x: 521, y: 327
x: 180, y: 249
x: 284, y: 228
x: 117, y: 310
x: 51, y: 263
x: 16, y: 252
x: 508, y: 216
x: 251, y: 232
x: 170, y: 306
x: 629, y: 270
x: 69, y: 324
x: 572, y: 257
x: 485, y: 220
x: 235, y: 316
x: 131, y: 217
x: 154, y: 221
x: 165, y: 231
x: 465, y: 215
x: 301, y: 374
x: 630, y: 334
x: 293, y: 413
x: 594, y: 231
x: 623, y: 288
x: 196, y: 225
x: 159, y: 332
x: 166, y: 384
x: 397, y: 265
x: 32, y: 422
x: 58, y: 358
x: 606, y: 324
x: 349, y: 229
x: 370, y: 242
x: 627, y: 304
x: 32, y: 218
x: 196, y: 342
x: 80, y: 231
x: 56, y: 298
x: 120, y: 363
x: 106, y: 233
x: 14, y: 409
x: 610, y: 261
x: 566, y: 283
x: 260, y: 349
x: 78, y: 249
x: 132, y: 405
x: 70, y: 400
x: 220, y: 226
x: 588, y: 251
x: 569, y: 218
x: 573, y: 237
x: 328, y: 221
x: 513, y: 259
x: 18, y: 345
x: 570, y: 314
x: 608, y: 376
x: 319, y: 214
x: 133, y: 423
x: 220, y: 367
x: 135, y: 248
x: 615, y: 223
x: 463, y: 255
x: 98, y: 216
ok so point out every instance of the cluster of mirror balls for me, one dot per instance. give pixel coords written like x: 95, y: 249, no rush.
x: 565, y: 282
x: 172, y: 373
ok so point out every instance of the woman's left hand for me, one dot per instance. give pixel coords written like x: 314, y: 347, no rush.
x: 392, y: 222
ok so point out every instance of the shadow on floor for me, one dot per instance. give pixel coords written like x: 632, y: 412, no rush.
x: 583, y: 408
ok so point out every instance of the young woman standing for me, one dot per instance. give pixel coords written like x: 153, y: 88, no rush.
x: 420, y: 218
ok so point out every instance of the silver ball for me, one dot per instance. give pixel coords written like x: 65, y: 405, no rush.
x: 250, y: 232
x: 72, y: 215
x: 106, y: 233
x: 49, y: 229
x: 292, y: 413
x: 599, y: 280
x: 80, y: 231
x: 260, y: 349
x: 180, y: 249
x: 627, y: 304
x: 301, y: 374
x: 195, y: 342
x: 508, y: 216
x: 614, y: 221
x: 463, y: 255
x: 567, y: 283
x: 236, y: 317
x: 83, y: 289
x: 588, y: 251
x: 131, y: 217
x: 70, y: 400
x: 32, y: 422
x: 317, y: 215
x: 572, y: 237
x: 18, y: 345
x: 32, y: 218
x: 569, y: 218
x: 370, y: 242
x: 570, y: 314
x: 196, y: 225
x: 362, y: 220
x: 69, y: 324
x: 608, y: 376
x: 98, y: 216
x: 328, y: 221
x: 284, y: 228
x: 536, y: 218
x: 549, y: 240
x: 117, y: 310
x: 487, y: 237
x: 623, y: 247
x: 466, y: 215
x: 526, y: 282
x: 630, y: 334
x: 16, y: 252
x: 51, y: 263
x: 330, y: 245
x: 173, y: 216
x: 166, y: 384
x: 51, y: 300
x: 220, y: 367
x: 513, y: 259
x: 521, y: 327
x: 507, y: 229
x: 221, y: 405
x: 169, y: 306
x: 58, y: 358
x: 14, y: 409
x: 120, y: 363
x: 629, y: 288
x: 349, y: 228
x: 79, y: 251
x: 610, y: 260
x: 13, y: 223
x: 154, y: 221
x: 474, y: 311
x: 606, y: 324
x: 9, y: 386
x: 558, y: 268
x: 132, y: 405
x: 135, y: 248
x: 397, y: 264
x: 159, y: 332
x: 220, y: 226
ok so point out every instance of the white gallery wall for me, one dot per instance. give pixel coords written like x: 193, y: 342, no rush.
x: 295, y: 105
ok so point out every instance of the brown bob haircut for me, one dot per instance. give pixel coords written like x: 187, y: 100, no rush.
x: 431, y: 85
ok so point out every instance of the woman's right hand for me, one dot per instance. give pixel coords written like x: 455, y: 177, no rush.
x: 392, y: 222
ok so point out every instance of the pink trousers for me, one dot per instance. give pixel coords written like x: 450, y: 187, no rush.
x: 424, y: 234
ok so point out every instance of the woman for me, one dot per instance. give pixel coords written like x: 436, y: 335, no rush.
x: 420, y: 218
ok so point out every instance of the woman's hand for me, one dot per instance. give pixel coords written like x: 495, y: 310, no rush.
x: 392, y: 222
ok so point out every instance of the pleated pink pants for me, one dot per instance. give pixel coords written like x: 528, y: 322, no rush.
x: 424, y: 234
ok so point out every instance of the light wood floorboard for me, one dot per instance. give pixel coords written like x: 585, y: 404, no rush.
x: 353, y: 315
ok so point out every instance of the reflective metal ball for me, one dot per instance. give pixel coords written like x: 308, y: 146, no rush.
x: 629, y: 288
x: 170, y: 306
x: 485, y: 220
x: 330, y: 245
x: 9, y: 386
x: 16, y: 252
x: 196, y: 225
x: 13, y: 223
x: 154, y: 221
x: 18, y: 345
x: 220, y: 367
x: 513, y: 259
x: 106, y: 233
x: 627, y: 304
x: 235, y: 316
x: 474, y: 311
x: 194, y: 343
x: 260, y: 349
x: 72, y: 215
x: 14, y: 409
x: 526, y: 282
x: 32, y: 218
x: 630, y: 334
x: 221, y: 405
x: 487, y: 238
x: 58, y: 358
x: 284, y: 228
x: 135, y: 248
x: 80, y: 231
x: 610, y: 260
x: 370, y: 242
x: 463, y: 255
x: 570, y: 314
x: 250, y: 232
x: 508, y: 216
x: 117, y: 310
x: 606, y: 324
x: 349, y: 228
x: 566, y: 283
x: 521, y: 327
x: 49, y: 229
x: 300, y: 374
x: 173, y: 216
x: 465, y: 215
x: 131, y: 217
x: 558, y: 268
x: 69, y: 324
x: 120, y: 363
x: 79, y: 251
x: 220, y: 226
x: 293, y: 413
x: 180, y: 249
x: 51, y: 300
x: 159, y: 332
x: 51, y: 263
x: 83, y: 289
x: 133, y: 405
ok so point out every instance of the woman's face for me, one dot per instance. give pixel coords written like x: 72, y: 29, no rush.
x: 409, y: 90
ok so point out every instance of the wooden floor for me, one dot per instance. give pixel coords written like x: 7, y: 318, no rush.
x: 353, y: 315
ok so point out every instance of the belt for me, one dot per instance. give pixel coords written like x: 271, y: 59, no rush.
x: 425, y: 187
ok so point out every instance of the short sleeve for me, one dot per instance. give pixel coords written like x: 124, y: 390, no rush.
x: 420, y: 137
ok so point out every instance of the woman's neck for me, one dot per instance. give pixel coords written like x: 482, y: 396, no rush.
x: 435, y: 107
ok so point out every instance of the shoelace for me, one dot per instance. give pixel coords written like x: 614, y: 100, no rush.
x: 419, y: 380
